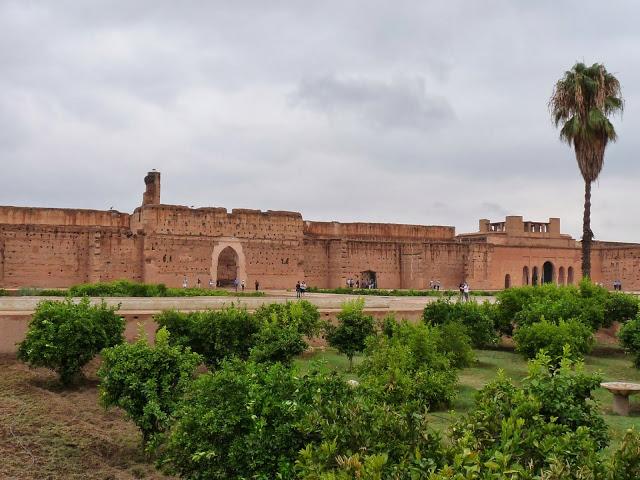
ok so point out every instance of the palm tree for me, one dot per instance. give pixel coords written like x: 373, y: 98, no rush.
x: 582, y: 102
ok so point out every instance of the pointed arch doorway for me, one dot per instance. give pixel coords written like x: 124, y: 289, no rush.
x: 228, y: 264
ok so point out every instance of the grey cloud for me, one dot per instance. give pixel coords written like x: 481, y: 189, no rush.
x: 399, y: 103
x: 409, y: 111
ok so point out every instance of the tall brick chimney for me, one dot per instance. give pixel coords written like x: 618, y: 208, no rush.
x: 151, y: 195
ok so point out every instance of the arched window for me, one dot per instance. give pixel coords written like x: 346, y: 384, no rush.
x: 534, y: 276
x: 525, y: 275
x: 547, y: 272
x: 561, y: 278
x: 507, y: 281
x: 570, y: 276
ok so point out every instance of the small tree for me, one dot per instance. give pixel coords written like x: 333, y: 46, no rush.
x: 629, y: 336
x: 276, y: 342
x: 146, y: 381
x: 64, y: 336
x: 353, y: 329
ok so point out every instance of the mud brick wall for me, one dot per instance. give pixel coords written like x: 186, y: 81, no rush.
x: 618, y: 263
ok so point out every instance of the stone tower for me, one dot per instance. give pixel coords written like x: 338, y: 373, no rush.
x: 151, y: 195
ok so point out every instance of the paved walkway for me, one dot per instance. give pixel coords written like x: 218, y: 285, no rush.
x: 324, y: 301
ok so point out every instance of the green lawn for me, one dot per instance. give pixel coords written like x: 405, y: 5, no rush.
x: 611, y: 362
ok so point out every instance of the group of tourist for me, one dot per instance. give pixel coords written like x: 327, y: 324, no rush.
x: 301, y: 288
x: 617, y: 285
x: 237, y: 283
x: 434, y: 284
x: 351, y: 283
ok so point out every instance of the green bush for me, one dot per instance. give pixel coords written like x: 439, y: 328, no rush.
x: 64, y: 335
x: 353, y: 328
x: 118, y: 288
x: 302, y: 313
x: 477, y: 318
x: 277, y: 342
x: 589, y: 303
x: 146, y: 381
x: 629, y: 336
x: 553, y: 338
x: 409, y: 368
x: 551, y: 418
x: 270, y: 422
x: 620, y: 307
x: 214, y: 334
x: 243, y: 421
x: 3, y: 292
x: 625, y: 461
x: 454, y: 342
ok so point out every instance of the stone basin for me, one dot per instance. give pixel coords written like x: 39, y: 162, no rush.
x: 621, y: 392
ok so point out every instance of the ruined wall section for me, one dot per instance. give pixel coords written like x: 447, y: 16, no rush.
x: 54, y: 247
x: 60, y: 256
x: 617, y: 262
x: 24, y: 216
x: 184, y: 242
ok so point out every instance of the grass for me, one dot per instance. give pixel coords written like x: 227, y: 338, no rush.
x: 610, y: 361
x: 49, y: 433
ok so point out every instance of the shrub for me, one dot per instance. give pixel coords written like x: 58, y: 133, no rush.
x: 118, y: 288
x: 243, y: 421
x: 3, y: 292
x: 629, y: 336
x: 620, y: 307
x: 552, y: 418
x: 408, y: 368
x: 475, y: 317
x: 553, y: 338
x: 361, y: 438
x: 276, y: 342
x: 214, y: 334
x: 302, y: 313
x: 267, y: 421
x: 625, y: 461
x: 353, y: 329
x: 64, y: 336
x: 146, y: 381
x: 454, y: 342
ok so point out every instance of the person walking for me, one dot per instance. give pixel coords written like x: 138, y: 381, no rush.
x: 211, y: 283
x: 303, y: 288
x: 466, y: 291
x: 257, y: 285
x: 184, y: 282
x: 198, y: 283
x: 461, y: 289
x: 242, y: 285
x: 298, y: 289
x: 235, y: 284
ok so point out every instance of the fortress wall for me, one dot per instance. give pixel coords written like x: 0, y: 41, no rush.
x: 60, y: 256
x: 114, y: 256
x: 169, y: 258
x: 63, y: 216
x: 316, y: 262
x: 216, y: 222
x: 618, y: 263
x: 377, y: 231
x: 443, y: 262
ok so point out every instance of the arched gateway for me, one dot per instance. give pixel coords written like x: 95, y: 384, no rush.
x: 228, y: 263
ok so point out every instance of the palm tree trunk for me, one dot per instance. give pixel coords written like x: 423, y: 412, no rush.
x: 587, y: 234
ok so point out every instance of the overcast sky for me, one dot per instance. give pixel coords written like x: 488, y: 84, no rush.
x: 389, y: 111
